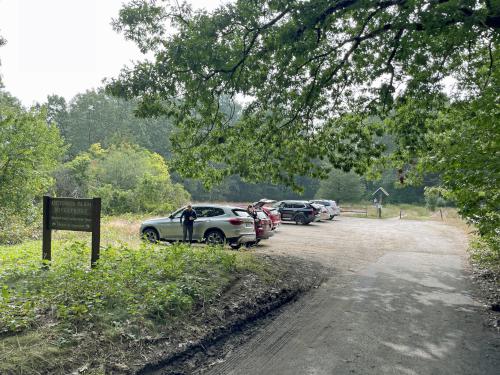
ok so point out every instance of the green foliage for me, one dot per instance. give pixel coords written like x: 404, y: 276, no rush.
x: 312, y: 72
x: 433, y: 198
x: 484, y: 254
x: 152, y: 282
x: 29, y: 152
x: 126, y: 177
x: 2, y: 42
x: 458, y: 140
x: 234, y: 189
x: 342, y: 187
x: 94, y: 117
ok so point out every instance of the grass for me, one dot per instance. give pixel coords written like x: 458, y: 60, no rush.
x: 407, y: 211
x: 51, y: 319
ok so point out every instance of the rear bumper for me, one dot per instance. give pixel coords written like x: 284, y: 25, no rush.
x: 242, y: 239
x: 265, y: 235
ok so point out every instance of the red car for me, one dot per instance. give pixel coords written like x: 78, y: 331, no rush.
x: 263, y: 226
x: 271, y: 212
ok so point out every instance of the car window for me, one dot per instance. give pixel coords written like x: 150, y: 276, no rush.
x: 298, y: 205
x: 209, y: 211
x: 177, y: 214
x: 261, y: 215
x: 241, y: 213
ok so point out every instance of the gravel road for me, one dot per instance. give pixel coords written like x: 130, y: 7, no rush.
x: 399, y: 301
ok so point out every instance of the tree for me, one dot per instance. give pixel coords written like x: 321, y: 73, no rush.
x: 312, y: 72
x: 29, y: 152
x: 94, y: 117
x: 2, y: 42
x: 464, y: 149
x: 127, y: 177
x: 342, y: 186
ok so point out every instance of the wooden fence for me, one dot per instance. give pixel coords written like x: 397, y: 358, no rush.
x: 355, y: 210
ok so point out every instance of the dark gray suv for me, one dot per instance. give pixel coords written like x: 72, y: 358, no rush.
x: 300, y: 212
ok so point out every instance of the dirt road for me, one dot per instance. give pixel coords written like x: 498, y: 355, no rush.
x: 398, y: 302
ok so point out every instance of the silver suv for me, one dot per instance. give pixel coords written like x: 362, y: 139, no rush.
x: 215, y: 225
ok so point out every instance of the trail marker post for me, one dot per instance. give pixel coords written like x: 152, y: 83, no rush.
x: 381, y: 192
x: 82, y: 215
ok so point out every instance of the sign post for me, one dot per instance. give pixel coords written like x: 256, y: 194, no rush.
x: 46, y: 232
x: 82, y: 215
x: 381, y: 192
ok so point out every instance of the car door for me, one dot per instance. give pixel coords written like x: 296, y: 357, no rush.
x: 202, y: 222
x: 287, y: 211
x: 171, y: 229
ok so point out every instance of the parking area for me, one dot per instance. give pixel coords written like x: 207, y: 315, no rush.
x: 349, y: 243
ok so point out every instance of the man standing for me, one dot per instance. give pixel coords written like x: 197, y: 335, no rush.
x: 187, y: 221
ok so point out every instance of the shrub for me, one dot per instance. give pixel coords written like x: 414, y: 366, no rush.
x: 126, y: 177
x: 152, y: 282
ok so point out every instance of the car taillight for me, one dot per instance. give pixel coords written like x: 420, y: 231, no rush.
x: 235, y: 221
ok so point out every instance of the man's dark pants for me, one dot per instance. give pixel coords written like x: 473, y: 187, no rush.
x: 187, y: 229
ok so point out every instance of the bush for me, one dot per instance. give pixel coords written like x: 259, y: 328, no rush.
x: 129, y: 179
x: 433, y: 198
x: 486, y: 252
x: 128, y: 286
x: 15, y: 228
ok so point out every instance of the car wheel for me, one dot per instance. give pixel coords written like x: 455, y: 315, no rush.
x: 151, y: 235
x: 215, y: 237
x: 331, y: 217
x: 300, y: 219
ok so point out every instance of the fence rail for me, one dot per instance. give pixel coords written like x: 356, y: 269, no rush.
x: 355, y: 210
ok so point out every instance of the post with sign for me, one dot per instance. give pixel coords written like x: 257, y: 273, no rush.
x: 46, y: 232
x: 82, y: 215
x: 381, y: 192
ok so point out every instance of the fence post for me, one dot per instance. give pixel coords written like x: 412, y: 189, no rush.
x: 96, y: 231
x: 441, y: 213
x: 46, y: 231
x: 399, y: 214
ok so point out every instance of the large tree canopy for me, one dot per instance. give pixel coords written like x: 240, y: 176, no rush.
x: 311, y: 71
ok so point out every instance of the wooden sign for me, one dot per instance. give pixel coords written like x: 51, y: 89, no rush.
x: 83, y: 215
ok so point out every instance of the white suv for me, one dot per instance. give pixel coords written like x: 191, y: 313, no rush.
x: 331, y: 206
x: 216, y: 224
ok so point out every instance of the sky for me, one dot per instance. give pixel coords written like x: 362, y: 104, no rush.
x: 63, y: 47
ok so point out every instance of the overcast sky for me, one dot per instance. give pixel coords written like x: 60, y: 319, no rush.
x: 62, y: 46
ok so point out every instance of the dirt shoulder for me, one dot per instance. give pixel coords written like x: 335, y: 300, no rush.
x: 487, y: 290
x: 248, y: 299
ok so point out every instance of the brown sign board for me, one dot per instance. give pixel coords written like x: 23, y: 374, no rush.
x: 82, y: 215
x: 71, y: 214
